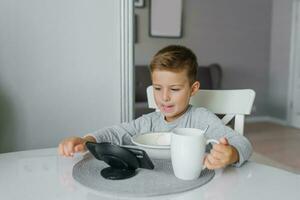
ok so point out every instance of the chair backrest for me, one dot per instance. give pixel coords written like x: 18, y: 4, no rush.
x: 231, y: 103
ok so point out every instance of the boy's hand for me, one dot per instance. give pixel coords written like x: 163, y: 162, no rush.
x: 221, y: 155
x: 71, y: 145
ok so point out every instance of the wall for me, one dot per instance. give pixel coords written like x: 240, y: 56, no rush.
x: 58, y: 61
x: 280, y: 58
x: 234, y: 33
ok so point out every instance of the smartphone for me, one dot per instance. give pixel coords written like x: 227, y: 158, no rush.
x: 120, y: 156
x: 143, y: 158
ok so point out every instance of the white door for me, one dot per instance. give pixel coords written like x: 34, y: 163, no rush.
x: 294, y: 99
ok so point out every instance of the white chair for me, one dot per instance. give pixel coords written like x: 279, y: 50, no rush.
x: 231, y: 103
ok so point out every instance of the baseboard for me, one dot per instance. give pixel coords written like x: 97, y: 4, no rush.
x: 265, y: 119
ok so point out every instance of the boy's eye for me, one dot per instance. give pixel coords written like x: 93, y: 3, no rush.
x: 175, y: 89
x: 156, y: 88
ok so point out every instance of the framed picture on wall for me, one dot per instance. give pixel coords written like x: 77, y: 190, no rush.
x: 164, y: 24
x: 139, y: 3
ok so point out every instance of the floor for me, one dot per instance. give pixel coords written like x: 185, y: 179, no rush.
x: 275, y: 145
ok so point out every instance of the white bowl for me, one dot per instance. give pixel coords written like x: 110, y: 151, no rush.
x: 155, y: 140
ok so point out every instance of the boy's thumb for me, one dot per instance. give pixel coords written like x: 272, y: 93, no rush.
x: 79, y: 147
x: 224, y: 141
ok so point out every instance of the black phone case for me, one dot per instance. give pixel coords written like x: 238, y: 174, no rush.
x: 120, y: 156
x: 143, y: 158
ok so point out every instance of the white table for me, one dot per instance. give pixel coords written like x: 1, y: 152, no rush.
x: 42, y: 174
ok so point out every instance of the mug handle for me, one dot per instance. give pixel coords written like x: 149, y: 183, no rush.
x: 207, y: 142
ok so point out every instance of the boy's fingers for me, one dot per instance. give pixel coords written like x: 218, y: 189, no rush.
x: 60, y: 149
x: 66, y: 152
x: 212, y: 160
x: 222, y: 146
x: 210, y: 165
x: 217, y: 157
x: 216, y: 154
x: 219, y: 147
x: 224, y: 141
x: 70, y: 147
x: 79, y: 148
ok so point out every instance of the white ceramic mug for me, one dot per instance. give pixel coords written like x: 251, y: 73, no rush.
x: 188, y: 151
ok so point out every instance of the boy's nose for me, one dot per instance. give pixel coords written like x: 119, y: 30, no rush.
x: 166, y: 96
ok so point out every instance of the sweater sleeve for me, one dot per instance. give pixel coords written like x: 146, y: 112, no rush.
x: 120, y: 134
x: 218, y: 130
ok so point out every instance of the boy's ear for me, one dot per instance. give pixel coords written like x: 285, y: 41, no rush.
x: 195, y: 87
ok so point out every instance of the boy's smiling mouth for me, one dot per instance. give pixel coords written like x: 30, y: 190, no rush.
x: 167, y: 108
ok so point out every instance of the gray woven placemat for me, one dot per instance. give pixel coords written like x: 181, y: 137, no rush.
x: 159, y: 181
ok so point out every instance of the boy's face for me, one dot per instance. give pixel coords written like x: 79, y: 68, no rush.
x: 172, y: 92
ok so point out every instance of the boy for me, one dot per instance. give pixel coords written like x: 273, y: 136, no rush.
x: 173, y: 72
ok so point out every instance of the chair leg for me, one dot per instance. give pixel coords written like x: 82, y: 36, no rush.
x: 239, y: 124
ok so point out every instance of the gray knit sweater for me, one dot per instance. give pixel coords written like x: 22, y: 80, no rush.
x: 194, y: 117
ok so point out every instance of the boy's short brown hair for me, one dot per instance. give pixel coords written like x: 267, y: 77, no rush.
x: 176, y: 58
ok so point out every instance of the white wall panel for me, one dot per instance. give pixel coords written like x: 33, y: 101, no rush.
x: 60, y: 69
